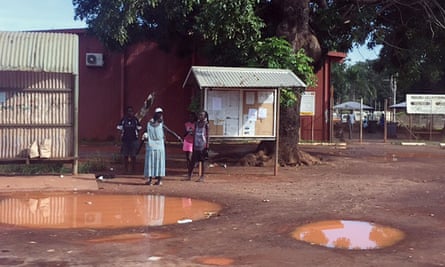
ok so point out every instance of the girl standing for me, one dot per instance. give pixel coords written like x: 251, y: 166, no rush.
x: 187, y: 145
x: 200, y: 144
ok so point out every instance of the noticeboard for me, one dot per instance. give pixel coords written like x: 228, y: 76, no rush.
x: 241, y: 113
x: 425, y: 104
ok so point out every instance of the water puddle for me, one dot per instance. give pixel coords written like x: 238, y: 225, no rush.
x: 353, y: 235
x: 216, y: 261
x: 82, y: 210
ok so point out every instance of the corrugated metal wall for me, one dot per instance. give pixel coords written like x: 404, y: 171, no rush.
x: 38, y: 93
x: 35, y: 106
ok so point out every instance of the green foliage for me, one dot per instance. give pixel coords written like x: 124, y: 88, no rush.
x: 275, y: 53
x: 93, y: 165
x: 360, y: 81
x: 34, y: 169
x: 195, y: 103
x: 413, y: 49
x: 228, y: 30
x: 288, y: 98
x: 234, y: 21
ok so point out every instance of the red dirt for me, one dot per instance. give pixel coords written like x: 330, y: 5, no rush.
x: 398, y: 186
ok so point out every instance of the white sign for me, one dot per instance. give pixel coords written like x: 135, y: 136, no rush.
x: 425, y: 104
x: 307, y: 107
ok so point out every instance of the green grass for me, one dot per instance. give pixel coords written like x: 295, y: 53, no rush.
x: 34, y: 169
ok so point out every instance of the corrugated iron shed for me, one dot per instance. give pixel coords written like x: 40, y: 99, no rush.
x: 228, y: 77
x: 39, y: 91
x: 39, y: 52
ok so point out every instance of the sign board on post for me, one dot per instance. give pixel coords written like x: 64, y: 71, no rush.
x: 307, y: 107
x: 425, y: 104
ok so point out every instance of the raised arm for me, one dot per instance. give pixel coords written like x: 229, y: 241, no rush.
x: 173, y: 133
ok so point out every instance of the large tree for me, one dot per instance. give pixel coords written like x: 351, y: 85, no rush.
x: 238, y: 27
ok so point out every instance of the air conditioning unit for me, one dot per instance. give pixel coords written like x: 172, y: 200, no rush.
x: 94, y: 59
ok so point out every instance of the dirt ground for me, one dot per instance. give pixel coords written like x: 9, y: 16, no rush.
x: 398, y: 186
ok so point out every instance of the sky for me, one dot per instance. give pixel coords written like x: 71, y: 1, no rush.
x: 22, y: 15
x: 362, y: 53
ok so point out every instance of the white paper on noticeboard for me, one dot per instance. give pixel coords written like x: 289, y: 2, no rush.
x: 216, y: 103
x: 231, y: 127
x: 253, y: 114
x: 248, y: 126
x: 262, y: 113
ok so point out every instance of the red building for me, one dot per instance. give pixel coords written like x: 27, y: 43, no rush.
x: 319, y: 126
x: 110, y: 81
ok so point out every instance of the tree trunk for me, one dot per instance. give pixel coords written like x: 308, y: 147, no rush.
x: 289, y: 135
x: 295, y: 27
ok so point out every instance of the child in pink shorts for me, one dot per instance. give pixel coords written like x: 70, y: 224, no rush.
x: 187, y: 146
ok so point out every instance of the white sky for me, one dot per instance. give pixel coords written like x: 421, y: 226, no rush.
x: 22, y: 15
x: 362, y: 53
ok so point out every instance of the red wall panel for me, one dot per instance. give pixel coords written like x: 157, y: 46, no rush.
x: 127, y: 78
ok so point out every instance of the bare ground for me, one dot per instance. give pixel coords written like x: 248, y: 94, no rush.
x: 398, y: 186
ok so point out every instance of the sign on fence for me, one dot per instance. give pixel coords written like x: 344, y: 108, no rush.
x: 425, y: 104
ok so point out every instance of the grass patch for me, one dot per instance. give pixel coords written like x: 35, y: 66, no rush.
x: 34, y: 169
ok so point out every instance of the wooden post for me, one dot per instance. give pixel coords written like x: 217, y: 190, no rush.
x: 361, y: 120
x: 277, y: 133
x: 384, y: 128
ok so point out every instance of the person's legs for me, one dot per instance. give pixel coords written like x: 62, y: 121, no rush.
x: 191, y: 166
x: 132, y: 154
x: 126, y: 158
x: 133, y: 163
x: 125, y: 150
x: 189, y: 160
x: 201, y: 177
x: 158, y: 182
x: 190, y: 170
x: 201, y: 160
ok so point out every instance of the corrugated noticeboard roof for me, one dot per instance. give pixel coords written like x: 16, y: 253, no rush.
x: 39, y: 51
x: 226, y: 77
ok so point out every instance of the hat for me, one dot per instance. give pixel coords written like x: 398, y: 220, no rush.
x: 158, y: 110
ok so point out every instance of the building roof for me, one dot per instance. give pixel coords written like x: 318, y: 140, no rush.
x: 39, y: 51
x: 228, y: 77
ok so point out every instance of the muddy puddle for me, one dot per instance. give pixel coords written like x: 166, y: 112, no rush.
x: 83, y: 210
x: 353, y: 235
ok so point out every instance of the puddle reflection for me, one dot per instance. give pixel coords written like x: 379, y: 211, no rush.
x: 101, y: 211
x: 348, y: 234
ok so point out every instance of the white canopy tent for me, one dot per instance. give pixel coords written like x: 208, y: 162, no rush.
x: 398, y: 105
x: 352, y: 105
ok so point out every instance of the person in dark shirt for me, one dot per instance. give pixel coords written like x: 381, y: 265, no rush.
x: 129, y: 126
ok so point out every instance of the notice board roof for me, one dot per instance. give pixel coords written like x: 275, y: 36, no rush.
x: 39, y: 52
x: 228, y: 77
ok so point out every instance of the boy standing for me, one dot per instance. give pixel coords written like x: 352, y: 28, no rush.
x: 129, y: 127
